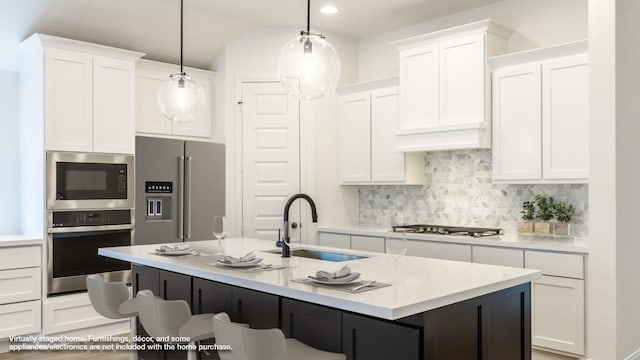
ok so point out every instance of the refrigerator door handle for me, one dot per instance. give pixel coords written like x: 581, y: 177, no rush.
x: 181, y: 197
x: 187, y: 206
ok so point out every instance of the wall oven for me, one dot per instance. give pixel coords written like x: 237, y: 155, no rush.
x: 73, y: 240
x: 89, y: 181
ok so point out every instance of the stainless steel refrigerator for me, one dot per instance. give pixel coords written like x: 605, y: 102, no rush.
x: 180, y: 186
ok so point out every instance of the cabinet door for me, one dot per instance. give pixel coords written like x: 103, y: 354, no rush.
x: 314, y: 325
x: 355, y: 138
x: 68, y: 101
x: 146, y: 278
x: 20, y: 318
x: 210, y: 297
x: 462, y: 81
x: 419, y: 88
x: 517, y: 129
x: 201, y: 127
x: 364, y: 338
x: 387, y: 165
x: 437, y: 250
x: 113, y: 106
x: 565, y: 118
x: 498, y: 256
x: 367, y: 243
x: 20, y: 285
x: 149, y: 119
x: 174, y: 286
x: 258, y: 309
x: 342, y: 241
x: 558, y: 314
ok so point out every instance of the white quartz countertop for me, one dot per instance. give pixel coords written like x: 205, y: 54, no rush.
x: 417, y: 284
x: 546, y: 243
x: 19, y: 240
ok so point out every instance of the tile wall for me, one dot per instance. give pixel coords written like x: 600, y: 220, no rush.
x: 458, y: 191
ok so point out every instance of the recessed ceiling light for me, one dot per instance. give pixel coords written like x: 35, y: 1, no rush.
x: 329, y: 9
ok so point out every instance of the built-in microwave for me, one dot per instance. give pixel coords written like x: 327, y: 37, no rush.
x: 89, y: 181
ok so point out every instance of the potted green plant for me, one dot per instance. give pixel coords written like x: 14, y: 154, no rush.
x: 544, y: 214
x: 528, y: 215
x: 564, y: 214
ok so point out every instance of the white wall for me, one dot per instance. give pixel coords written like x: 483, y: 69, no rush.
x: 255, y: 57
x: 536, y: 22
x: 627, y: 128
x: 9, y: 123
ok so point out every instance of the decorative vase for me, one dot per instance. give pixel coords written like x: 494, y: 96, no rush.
x: 542, y: 228
x: 562, y: 229
x: 525, y: 227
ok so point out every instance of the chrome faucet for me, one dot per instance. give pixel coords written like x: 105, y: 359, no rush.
x: 314, y: 218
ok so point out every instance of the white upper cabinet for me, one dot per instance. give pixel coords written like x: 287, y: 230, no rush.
x: 88, y: 94
x: 540, y: 115
x: 68, y: 101
x: 565, y: 118
x: 368, y: 120
x: 355, y: 137
x: 444, y: 87
x: 113, y: 106
x: 150, y: 76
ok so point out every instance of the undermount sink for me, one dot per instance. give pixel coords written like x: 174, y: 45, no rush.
x: 321, y: 255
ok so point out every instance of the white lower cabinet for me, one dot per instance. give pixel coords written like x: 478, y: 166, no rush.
x: 20, y: 290
x: 20, y: 318
x: 342, y: 241
x: 557, y: 306
x: 498, y: 256
x: 64, y: 314
x: 439, y: 250
x: 367, y: 243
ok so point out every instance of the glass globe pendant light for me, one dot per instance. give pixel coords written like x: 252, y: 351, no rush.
x: 181, y: 99
x: 308, y: 66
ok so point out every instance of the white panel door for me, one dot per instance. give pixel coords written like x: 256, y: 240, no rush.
x: 517, y: 124
x: 355, y: 137
x: 68, y: 101
x: 149, y: 119
x: 419, y: 88
x: 271, y: 153
x: 557, y: 308
x: 462, y: 81
x: 565, y: 118
x: 386, y: 164
x: 113, y: 106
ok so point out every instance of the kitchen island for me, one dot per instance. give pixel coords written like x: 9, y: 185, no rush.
x: 434, y: 309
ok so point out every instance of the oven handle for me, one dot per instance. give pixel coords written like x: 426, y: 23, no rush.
x: 76, y: 229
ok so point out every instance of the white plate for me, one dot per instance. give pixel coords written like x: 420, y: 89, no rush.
x: 323, y: 282
x: 240, y: 264
x: 176, y: 252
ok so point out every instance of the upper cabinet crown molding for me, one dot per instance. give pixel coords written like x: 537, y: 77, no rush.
x: 146, y: 64
x: 445, y: 87
x: 39, y: 41
x: 482, y: 26
x: 368, y: 85
x: 540, y: 54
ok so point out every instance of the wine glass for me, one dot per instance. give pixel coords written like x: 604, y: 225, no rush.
x: 395, y: 244
x: 218, y: 232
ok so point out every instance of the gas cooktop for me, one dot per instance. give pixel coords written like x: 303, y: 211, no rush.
x: 447, y: 230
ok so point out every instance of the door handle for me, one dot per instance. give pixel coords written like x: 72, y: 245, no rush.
x: 187, y: 206
x: 181, y: 197
x: 294, y: 225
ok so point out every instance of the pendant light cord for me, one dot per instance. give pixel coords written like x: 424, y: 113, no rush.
x: 308, y: 16
x: 181, y: 35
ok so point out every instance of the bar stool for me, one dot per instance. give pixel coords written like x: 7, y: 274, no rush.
x: 268, y: 344
x: 111, y: 299
x: 161, y: 318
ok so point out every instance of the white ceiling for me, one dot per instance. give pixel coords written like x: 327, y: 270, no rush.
x: 152, y: 26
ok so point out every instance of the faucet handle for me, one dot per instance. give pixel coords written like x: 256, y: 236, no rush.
x: 280, y: 241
